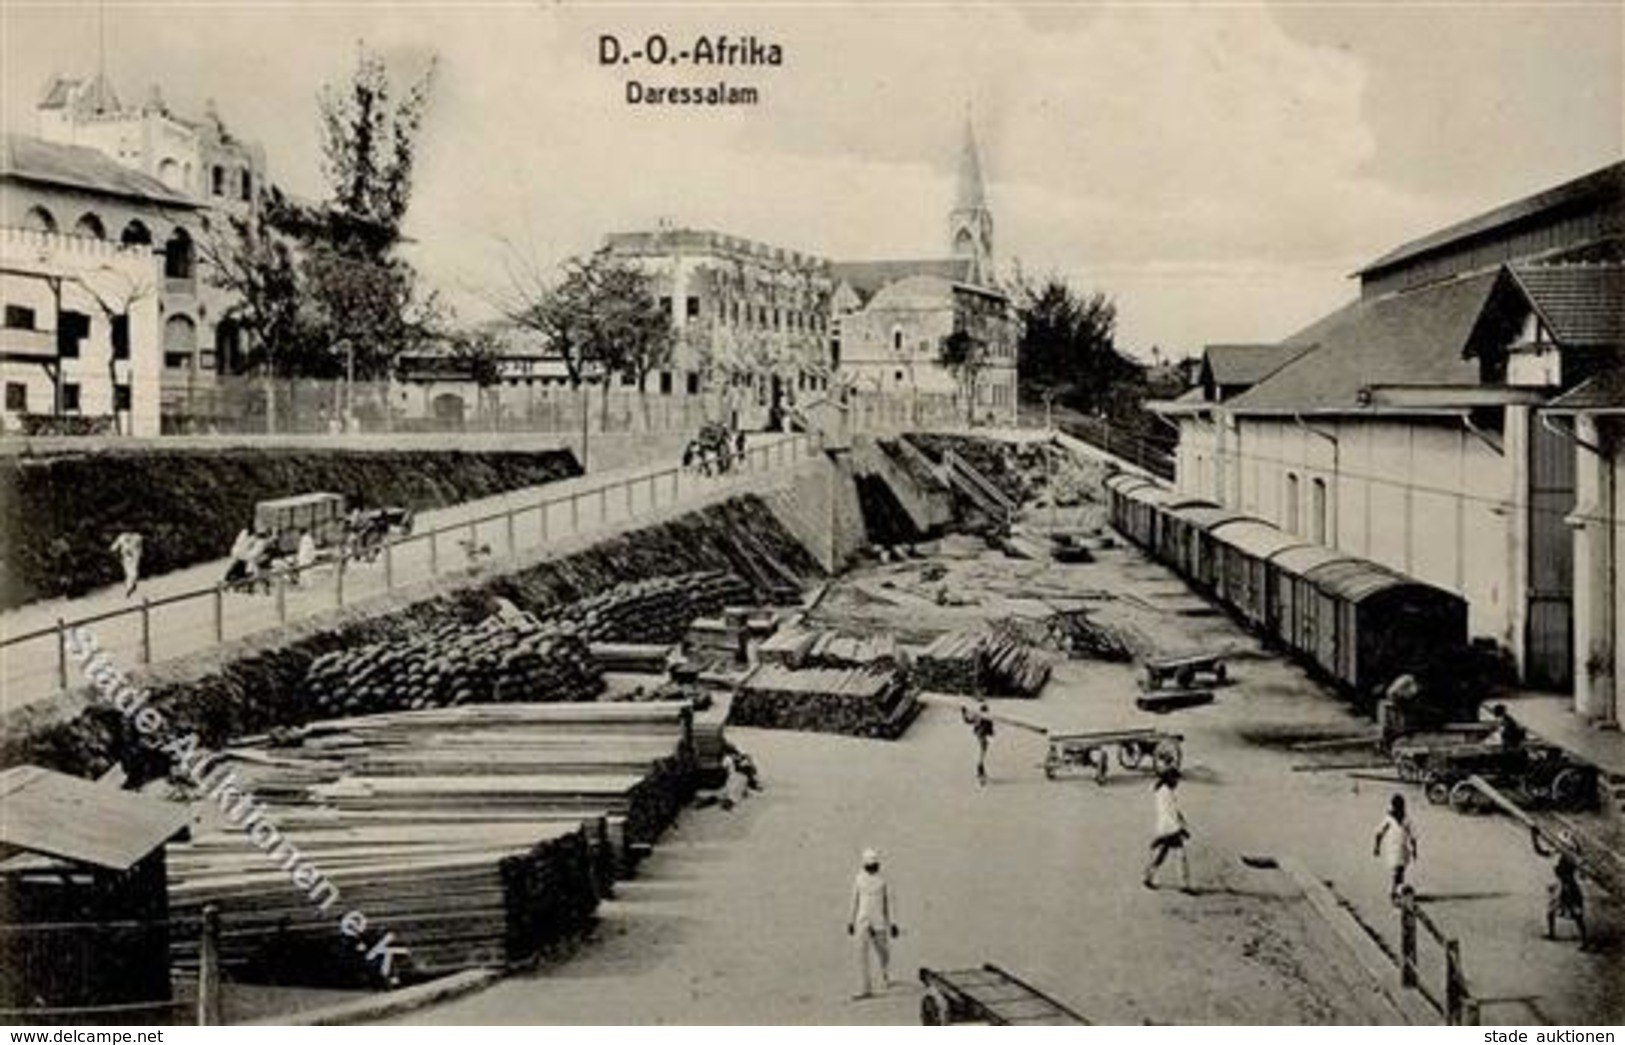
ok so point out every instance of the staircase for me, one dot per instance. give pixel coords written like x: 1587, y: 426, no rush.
x: 978, y: 489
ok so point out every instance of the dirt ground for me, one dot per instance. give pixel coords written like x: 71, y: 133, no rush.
x: 739, y: 917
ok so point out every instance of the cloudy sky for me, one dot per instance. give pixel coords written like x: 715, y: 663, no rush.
x: 1218, y: 168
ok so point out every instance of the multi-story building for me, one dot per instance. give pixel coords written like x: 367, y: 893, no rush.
x: 87, y: 253
x: 1416, y: 426
x: 199, y: 160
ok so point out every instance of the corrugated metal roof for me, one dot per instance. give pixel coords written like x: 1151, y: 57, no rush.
x: 28, y: 158
x: 1122, y: 482
x: 1302, y: 559
x: 62, y: 816
x: 1581, y: 304
x: 1255, y: 537
x: 1602, y: 186
x: 1415, y: 338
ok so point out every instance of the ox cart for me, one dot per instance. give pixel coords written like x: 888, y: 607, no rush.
x: 989, y: 995
x: 1091, y: 752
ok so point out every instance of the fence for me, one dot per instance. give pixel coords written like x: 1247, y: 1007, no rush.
x: 1152, y: 455
x: 1435, y: 974
x: 248, y: 405
x: 156, y: 629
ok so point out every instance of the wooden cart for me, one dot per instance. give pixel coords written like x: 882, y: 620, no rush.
x: 1183, y: 668
x: 1151, y: 748
x: 1537, y: 773
x: 989, y: 995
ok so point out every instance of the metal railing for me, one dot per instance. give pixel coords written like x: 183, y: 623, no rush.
x: 38, y: 662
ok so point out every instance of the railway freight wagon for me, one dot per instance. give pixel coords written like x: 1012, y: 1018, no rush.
x: 1242, y: 552
x: 1191, y: 545
x: 1359, y: 623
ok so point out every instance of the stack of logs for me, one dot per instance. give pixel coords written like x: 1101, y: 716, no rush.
x: 476, y: 835
x: 658, y: 609
x: 982, y: 664
x: 495, y: 660
x: 860, y: 702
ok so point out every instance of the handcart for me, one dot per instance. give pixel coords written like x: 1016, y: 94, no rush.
x: 989, y: 995
x: 1152, y: 748
x: 1183, y: 668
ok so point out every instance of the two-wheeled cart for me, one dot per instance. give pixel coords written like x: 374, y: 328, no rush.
x: 1152, y: 749
x: 989, y: 995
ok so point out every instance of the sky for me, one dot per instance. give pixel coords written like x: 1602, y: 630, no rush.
x: 1218, y: 169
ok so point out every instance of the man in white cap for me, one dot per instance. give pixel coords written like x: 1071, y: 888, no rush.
x: 871, y: 922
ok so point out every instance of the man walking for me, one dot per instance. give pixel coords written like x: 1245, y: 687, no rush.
x: 981, y: 727
x: 1170, y: 830
x: 870, y: 920
x: 127, y: 546
x: 1396, y: 844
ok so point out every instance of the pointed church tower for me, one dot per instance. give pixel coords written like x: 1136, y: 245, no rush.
x: 970, y: 223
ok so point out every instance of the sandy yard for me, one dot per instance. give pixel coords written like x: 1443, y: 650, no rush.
x: 740, y: 917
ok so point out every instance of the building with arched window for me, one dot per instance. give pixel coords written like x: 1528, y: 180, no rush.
x: 82, y: 275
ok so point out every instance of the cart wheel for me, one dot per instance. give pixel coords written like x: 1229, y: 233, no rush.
x: 1168, y: 754
x: 1407, y: 769
x: 1220, y: 672
x: 1437, y: 788
x: 1185, y: 677
x: 1568, y: 789
x: 1129, y: 755
x: 934, y: 1009
x: 1464, y: 798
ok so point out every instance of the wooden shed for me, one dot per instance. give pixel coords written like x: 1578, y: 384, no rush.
x: 84, y: 908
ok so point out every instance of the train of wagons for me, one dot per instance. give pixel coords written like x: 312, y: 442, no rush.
x: 1357, y: 622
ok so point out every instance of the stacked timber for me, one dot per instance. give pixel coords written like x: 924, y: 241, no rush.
x: 476, y: 834
x: 658, y: 609
x: 498, y: 659
x: 971, y: 663
x: 448, y: 900
x: 787, y: 647
x: 636, y: 657
x: 713, y: 642
x: 833, y: 650
x: 861, y: 702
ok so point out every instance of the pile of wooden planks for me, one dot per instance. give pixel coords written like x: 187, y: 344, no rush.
x: 713, y: 642
x: 498, y: 659
x: 861, y: 702
x: 976, y: 663
x: 818, y: 648
x: 477, y: 834
x: 658, y: 609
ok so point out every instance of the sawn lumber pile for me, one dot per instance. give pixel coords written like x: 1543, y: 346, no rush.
x: 476, y: 834
x: 813, y: 648
x: 981, y: 664
x: 860, y: 702
x: 498, y: 659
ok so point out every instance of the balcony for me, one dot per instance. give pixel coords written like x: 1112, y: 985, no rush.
x: 16, y: 342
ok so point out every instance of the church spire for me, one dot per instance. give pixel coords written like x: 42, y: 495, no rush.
x: 969, y: 195
x: 970, y: 223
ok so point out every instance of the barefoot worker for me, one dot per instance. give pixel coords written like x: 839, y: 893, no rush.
x: 981, y: 727
x: 1396, y: 844
x: 870, y: 920
x: 1170, y: 831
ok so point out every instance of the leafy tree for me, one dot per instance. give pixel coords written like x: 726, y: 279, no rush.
x: 369, y: 144
x: 255, y: 259
x: 966, y: 356
x: 1067, y: 345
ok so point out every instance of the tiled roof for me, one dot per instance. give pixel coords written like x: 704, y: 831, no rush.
x: 1606, y: 391
x: 1600, y: 186
x: 27, y: 158
x: 1415, y: 338
x: 1247, y: 364
x: 1581, y: 304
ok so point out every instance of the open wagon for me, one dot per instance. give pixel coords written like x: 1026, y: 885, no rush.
x: 988, y: 995
x: 1155, y: 749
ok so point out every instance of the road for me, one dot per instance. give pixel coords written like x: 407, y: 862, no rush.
x: 186, y: 615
